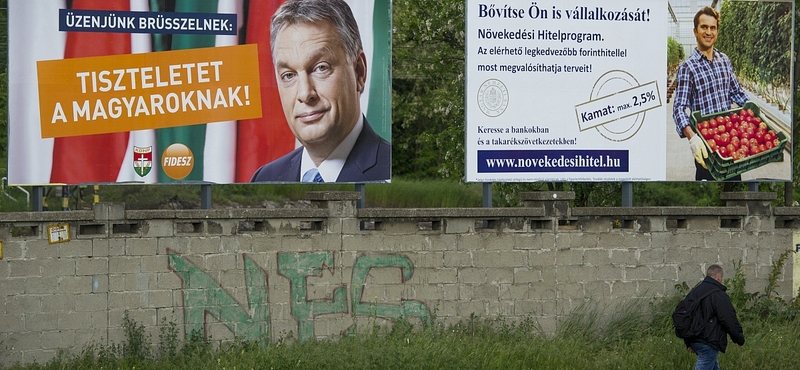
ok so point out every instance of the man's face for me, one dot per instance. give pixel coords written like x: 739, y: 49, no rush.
x: 318, y: 84
x: 706, y: 32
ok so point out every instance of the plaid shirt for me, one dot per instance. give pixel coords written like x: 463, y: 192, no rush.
x: 707, y: 86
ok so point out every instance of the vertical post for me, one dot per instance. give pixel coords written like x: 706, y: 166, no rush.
x: 38, y: 199
x: 487, y: 200
x: 752, y: 186
x: 96, y: 194
x: 205, y: 196
x: 487, y: 195
x: 361, y: 201
x: 788, y: 193
x: 65, y: 198
x: 627, y: 194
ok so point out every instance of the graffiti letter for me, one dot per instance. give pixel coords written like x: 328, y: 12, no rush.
x: 296, y: 267
x: 202, y: 295
x: 406, y: 308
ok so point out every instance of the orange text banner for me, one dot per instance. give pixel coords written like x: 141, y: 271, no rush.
x: 97, y: 95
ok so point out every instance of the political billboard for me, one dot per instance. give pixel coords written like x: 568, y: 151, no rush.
x: 606, y: 91
x: 187, y: 91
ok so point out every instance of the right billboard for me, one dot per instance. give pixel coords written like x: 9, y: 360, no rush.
x: 629, y: 91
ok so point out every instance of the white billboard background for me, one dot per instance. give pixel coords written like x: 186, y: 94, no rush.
x: 595, y: 86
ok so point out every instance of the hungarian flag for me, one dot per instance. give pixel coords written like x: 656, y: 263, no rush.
x: 92, y: 158
x: 33, y: 36
x: 262, y: 140
x: 145, y: 140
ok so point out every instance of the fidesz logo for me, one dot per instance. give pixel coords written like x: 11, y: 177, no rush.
x: 177, y: 161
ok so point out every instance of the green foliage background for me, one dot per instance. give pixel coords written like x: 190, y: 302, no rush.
x: 748, y: 35
x: 675, y: 53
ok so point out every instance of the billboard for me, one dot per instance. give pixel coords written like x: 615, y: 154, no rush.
x: 186, y: 91
x: 587, y: 91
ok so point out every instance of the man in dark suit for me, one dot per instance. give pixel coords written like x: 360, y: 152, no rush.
x: 321, y: 71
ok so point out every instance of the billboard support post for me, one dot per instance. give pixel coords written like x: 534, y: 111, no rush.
x: 752, y: 186
x: 627, y: 194
x: 362, y: 189
x: 205, y: 196
x: 788, y: 190
x: 487, y: 195
x: 65, y: 198
x: 38, y: 196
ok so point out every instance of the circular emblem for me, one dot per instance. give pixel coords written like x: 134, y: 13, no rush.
x: 623, y: 128
x: 492, y: 98
x: 177, y: 161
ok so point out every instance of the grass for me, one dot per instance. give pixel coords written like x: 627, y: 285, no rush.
x: 637, y: 334
x: 491, y: 347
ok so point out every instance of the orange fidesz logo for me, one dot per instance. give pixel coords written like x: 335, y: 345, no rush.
x: 177, y: 161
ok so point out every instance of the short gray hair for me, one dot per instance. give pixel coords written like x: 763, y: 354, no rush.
x: 337, y: 12
x: 714, y: 271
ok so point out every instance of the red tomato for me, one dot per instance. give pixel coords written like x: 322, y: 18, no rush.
x: 760, y: 136
x: 730, y: 148
x: 762, y: 148
x: 776, y: 143
x: 769, y: 136
x: 712, y: 144
x: 734, y: 117
x: 736, y: 156
x: 735, y: 141
x: 745, y: 150
x: 769, y: 145
x: 754, y: 150
x: 703, y: 124
x: 749, y: 112
x: 704, y: 132
x: 717, y: 138
x: 723, y: 151
x: 725, y: 138
x: 721, y: 129
x: 734, y: 132
x: 728, y: 124
x: 712, y: 123
x: 762, y: 126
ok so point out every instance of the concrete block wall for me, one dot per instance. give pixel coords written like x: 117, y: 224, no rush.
x: 334, y: 269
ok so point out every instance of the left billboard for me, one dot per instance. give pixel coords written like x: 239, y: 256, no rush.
x: 145, y: 91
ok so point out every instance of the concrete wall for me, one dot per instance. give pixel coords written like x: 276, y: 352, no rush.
x: 333, y: 268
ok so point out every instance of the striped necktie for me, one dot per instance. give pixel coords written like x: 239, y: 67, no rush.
x: 312, y: 175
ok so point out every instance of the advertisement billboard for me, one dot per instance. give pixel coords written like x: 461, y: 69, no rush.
x: 141, y: 91
x: 587, y: 91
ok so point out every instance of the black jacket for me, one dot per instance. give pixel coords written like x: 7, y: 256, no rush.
x: 718, y: 313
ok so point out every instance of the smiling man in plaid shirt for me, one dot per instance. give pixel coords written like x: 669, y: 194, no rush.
x: 706, y: 82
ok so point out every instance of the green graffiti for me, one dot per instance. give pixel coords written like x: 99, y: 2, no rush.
x: 296, y: 267
x: 202, y: 295
x: 405, y: 309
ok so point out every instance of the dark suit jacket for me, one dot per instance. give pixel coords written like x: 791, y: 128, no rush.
x: 369, y: 160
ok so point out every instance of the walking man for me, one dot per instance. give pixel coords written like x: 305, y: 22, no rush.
x: 719, y: 316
